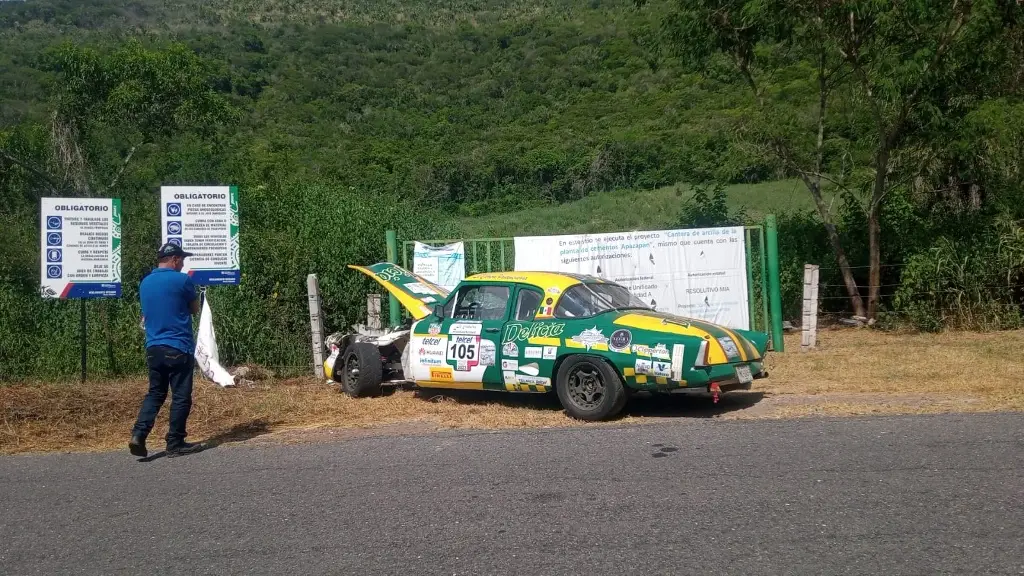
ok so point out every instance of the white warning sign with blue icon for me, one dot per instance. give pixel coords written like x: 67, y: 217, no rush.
x: 203, y: 220
x: 80, y: 248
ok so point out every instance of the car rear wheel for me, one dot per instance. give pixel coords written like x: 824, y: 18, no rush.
x: 363, y: 370
x: 589, y: 389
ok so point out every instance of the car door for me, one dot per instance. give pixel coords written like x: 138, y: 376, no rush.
x: 460, y: 347
x: 527, y: 362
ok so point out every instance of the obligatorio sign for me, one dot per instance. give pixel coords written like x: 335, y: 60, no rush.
x: 203, y: 220
x: 80, y: 248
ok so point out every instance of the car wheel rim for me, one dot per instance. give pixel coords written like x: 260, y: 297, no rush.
x: 586, y: 388
x: 351, y: 371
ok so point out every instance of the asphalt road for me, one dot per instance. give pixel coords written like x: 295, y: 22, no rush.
x: 903, y: 495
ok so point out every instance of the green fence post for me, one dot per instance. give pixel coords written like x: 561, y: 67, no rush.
x: 396, y: 312
x: 774, y: 288
x: 748, y: 247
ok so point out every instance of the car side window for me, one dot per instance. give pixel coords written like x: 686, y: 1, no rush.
x: 527, y: 304
x: 481, y: 302
x: 449, y: 306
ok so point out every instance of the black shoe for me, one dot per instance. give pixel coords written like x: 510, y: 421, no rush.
x: 183, y: 449
x: 137, y: 446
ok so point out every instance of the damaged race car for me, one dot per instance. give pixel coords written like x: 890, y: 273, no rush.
x: 589, y: 340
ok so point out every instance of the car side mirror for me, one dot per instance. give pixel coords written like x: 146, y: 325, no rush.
x: 439, y: 310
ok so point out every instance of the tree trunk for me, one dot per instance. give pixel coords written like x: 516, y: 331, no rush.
x: 837, y: 247
x: 875, y: 228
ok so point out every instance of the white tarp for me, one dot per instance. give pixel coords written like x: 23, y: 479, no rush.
x: 206, y: 350
x: 442, y: 265
x: 699, y: 273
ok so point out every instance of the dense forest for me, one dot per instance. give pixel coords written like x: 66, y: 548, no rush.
x: 338, y: 120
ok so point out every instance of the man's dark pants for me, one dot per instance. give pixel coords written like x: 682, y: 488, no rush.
x: 168, y: 367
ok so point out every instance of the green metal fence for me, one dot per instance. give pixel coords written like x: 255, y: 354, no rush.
x: 498, y: 255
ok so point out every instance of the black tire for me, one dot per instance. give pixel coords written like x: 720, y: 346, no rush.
x: 589, y: 389
x: 363, y: 371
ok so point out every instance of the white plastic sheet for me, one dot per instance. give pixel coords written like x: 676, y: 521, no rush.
x: 206, y: 350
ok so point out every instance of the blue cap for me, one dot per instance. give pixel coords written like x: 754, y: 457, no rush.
x: 172, y: 250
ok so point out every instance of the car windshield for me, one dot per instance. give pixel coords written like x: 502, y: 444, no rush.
x: 585, y: 300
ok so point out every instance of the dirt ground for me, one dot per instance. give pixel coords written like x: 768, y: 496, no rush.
x: 852, y: 372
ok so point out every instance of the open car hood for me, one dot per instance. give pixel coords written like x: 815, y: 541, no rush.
x: 417, y: 294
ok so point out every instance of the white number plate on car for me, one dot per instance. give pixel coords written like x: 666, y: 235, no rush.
x: 743, y: 374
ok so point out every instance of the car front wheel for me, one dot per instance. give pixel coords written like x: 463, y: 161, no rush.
x: 589, y: 389
x: 363, y: 370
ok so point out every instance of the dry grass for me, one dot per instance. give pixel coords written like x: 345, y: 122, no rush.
x: 852, y: 372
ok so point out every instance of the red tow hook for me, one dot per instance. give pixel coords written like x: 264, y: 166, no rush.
x: 715, y: 389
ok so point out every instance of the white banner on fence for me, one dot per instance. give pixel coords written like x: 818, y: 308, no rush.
x: 442, y: 265
x: 699, y: 273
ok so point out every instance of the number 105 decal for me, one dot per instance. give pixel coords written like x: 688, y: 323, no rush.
x: 465, y: 351
x: 463, y: 347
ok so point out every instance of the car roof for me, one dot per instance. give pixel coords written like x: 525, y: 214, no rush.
x: 542, y: 280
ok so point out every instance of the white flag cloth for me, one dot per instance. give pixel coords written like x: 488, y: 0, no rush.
x: 206, y: 349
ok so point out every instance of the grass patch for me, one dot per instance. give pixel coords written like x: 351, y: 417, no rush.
x: 656, y: 209
x: 853, y: 372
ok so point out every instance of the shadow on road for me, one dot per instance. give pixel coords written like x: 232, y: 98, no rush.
x: 237, y: 433
x: 641, y: 404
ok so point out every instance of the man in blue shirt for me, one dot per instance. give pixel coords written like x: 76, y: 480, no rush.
x: 169, y: 301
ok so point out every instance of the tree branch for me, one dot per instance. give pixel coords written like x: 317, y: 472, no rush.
x: 32, y: 170
x: 127, y: 159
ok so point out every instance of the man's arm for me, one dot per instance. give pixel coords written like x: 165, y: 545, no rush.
x: 192, y: 295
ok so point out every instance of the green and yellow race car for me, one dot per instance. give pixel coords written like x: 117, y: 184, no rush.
x: 589, y: 340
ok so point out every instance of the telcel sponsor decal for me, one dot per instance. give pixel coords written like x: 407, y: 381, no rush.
x: 465, y: 351
x: 433, y: 341
x: 522, y: 332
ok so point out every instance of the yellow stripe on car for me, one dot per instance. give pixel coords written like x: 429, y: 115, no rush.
x: 716, y: 354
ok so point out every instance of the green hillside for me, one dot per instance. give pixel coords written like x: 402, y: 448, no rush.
x: 340, y: 119
x: 489, y: 102
x: 656, y: 209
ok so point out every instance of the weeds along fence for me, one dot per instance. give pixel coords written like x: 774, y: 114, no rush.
x: 41, y: 339
x: 265, y: 320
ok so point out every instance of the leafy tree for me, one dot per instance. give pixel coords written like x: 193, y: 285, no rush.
x: 897, y: 73
x: 106, y: 107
